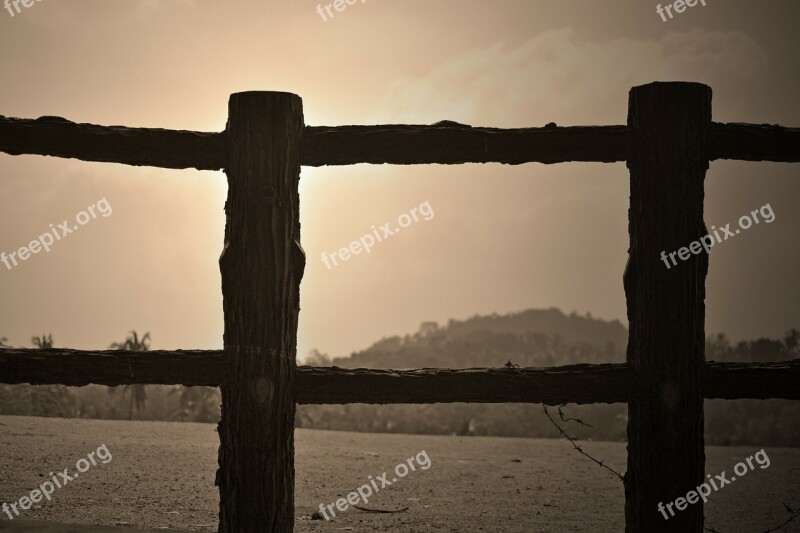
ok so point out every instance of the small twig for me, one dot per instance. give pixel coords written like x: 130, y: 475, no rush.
x: 580, y: 450
x: 564, y: 418
x: 367, y: 510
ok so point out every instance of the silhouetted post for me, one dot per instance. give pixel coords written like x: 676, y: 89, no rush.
x: 666, y: 308
x: 261, y: 265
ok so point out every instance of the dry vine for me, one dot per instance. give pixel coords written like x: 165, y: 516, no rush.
x: 564, y: 418
x: 561, y: 430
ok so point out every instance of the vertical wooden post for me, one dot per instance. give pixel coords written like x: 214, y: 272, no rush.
x: 666, y: 308
x: 261, y: 265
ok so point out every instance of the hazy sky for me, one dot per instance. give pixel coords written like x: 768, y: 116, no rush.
x: 501, y: 238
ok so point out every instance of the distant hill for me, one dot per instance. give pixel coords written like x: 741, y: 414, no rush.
x: 531, y: 338
x: 535, y: 337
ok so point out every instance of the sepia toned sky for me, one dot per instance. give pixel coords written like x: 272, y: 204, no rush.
x: 502, y: 238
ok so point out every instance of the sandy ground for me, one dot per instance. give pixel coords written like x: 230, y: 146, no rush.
x: 162, y: 476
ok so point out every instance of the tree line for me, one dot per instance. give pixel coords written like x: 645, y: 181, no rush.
x: 532, y: 338
x: 140, y: 402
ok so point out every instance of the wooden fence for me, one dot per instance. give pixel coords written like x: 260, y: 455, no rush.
x: 667, y: 143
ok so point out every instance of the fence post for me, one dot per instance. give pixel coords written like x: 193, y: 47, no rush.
x: 666, y: 308
x: 261, y: 266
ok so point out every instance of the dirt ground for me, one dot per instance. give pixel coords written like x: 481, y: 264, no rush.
x: 161, y: 475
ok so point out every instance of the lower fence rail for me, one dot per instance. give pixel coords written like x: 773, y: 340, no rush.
x: 582, y: 384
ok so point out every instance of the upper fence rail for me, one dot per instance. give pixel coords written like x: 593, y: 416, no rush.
x: 441, y: 143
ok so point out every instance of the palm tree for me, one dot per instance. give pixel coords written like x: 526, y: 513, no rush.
x: 43, y: 342
x: 137, y: 392
x: 50, y: 400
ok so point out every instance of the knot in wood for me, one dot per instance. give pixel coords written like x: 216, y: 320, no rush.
x: 264, y: 390
x: 669, y: 394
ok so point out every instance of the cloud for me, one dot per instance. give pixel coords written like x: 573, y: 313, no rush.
x: 557, y: 76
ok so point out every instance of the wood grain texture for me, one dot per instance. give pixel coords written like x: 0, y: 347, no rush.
x: 754, y: 142
x: 77, y: 368
x: 666, y: 306
x: 261, y: 265
x: 443, y: 143
x: 452, y: 143
x: 756, y: 381
x: 608, y: 383
x: 58, y: 137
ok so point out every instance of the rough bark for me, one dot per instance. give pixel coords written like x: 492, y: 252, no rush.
x: 443, y: 143
x: 666, y: 307
x: 754, y: 142
x: 262, y: 265
x: 58, y: 137
x: 450, y: 143
x: 553, y: 386
x: 61, y: 366
x: 755, y: 381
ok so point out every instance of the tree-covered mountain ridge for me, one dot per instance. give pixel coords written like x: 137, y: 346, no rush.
x: 532, y: 338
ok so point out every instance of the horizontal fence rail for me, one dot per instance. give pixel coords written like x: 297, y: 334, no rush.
x: 441, y: 143
x: 77, y: 368
x: 451, y: 143
x: 754, y: 142
x: 602, y: 383
x: 58, y: 137
x: 731, y: 381
x: 581, y: 384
